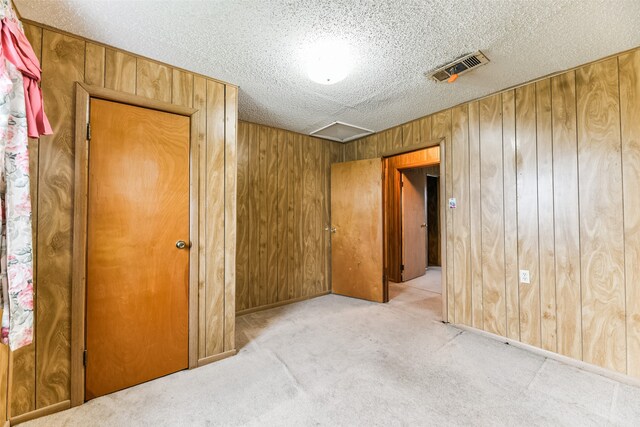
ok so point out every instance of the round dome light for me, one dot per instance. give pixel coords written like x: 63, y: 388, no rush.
x: 328, y: 61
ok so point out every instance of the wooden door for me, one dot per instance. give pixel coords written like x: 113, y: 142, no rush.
x: 137, y: 277
x: 433, y: 221
x: 356, y: 217
x: 414, y: 227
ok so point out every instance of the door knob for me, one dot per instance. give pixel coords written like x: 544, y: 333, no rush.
x: 423, y: 225
x: 331, y: 229
x: 181, y: 244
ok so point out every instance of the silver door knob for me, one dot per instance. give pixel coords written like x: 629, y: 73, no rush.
x: 331, y: 229
x: 181, y: 244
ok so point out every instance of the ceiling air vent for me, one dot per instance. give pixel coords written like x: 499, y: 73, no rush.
x: 341, y: 132
x: 460, y: 66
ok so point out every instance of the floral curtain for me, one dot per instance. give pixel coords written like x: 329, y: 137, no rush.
x: 21, y: 114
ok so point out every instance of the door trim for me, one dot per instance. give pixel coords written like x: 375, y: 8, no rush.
x: 439, y: 142
x: 83, y: 96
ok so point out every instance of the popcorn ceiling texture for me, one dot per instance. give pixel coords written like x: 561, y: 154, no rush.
x: 259, y: 45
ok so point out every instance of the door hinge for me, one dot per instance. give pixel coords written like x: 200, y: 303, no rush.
x: 401, y: 267
x: 84, y: 358
x: 88, y: 131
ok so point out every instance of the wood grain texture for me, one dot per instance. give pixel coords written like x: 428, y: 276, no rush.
x: 309, y: 256
x: 566, y: 215
x: 282, y: 215
x: 200, y: 103
x: 153, y: 80
x: 242, y: 252
x: 527, y: 180
x: 94, y: 64
x: 546, y: 244
x: 182, y: 88
x: 510, y: 214
x: 461, y: 216
x: 629, y: 71
x: 141, y: 311
x: 298, y: 215
x: 475, y: 214
x: 601, y: 228
x: 214, y: 234
x: 357, y: 243
x: 63, y: 57
x: 441, y: 128
x: 492, y: 206
x: 263, y: 224
x: 120, y: 71
x: 271, y: 208
x: 350, y: 152
x: 230, y: 215
x: 414, y: 236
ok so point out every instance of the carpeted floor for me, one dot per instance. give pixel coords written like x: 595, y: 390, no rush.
x: 341, y: 361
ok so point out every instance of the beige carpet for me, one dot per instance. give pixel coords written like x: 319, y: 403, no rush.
x: 341, y: 361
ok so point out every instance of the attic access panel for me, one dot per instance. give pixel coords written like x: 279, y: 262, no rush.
x: 341, y: 132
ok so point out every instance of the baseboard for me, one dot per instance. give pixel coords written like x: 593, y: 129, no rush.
x: 216, y: 357
x: 38, y: 413
x: 280, y: 303
x: 608, y: 373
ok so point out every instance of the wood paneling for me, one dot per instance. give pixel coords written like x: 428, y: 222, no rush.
x: 283, y: 209
x: 460, y: 216
x: 528, y: 256
x: 546, y: 244
x: 630, y: 127
x: 62, y: 66
x: 120, y: 71
x: 510, y: 214
x: 40, y: 372
x: 566, y: 215
x: 475, y: 214
x: 153, y: 80
x: 601, y: 216
x: 492, y: 207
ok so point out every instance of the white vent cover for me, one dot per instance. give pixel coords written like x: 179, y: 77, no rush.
x: 460, y: 66
x: 341, y: 132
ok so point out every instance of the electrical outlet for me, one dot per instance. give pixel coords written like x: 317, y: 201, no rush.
x: 524, y: 276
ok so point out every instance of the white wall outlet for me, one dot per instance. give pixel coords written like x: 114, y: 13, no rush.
x: 524, y: 276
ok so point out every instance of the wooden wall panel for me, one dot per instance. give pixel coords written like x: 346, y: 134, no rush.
x: 492, y: 207
x: 120, y: 71
x: 40, y: 372
x: 510, y: 214
x: 601, y: 219
x: 285, y: 255
x: 475, y: 214
x: 546, y: 244
x: 63, y: 58
x: 153, y: 80
x: 282, y: 216
x: 242, y: 255
x: 630, y: 128
x: 200, y: 102
x: 461, y: 216
x: 214, y: 221
x: 566, y: 215
x: 182, y: 88
x: 94, y: 64
x: 271, y: 208
x: 528, y: 256
x: 441, y: 128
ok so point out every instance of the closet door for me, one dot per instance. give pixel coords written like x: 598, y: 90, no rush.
x: 137, y: 246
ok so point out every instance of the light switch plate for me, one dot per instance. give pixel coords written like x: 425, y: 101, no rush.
x: 524, y: 276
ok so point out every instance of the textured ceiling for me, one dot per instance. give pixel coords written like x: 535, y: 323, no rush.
x: 260, y: 46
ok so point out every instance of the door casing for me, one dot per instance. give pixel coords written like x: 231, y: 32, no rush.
x: 83, y: 95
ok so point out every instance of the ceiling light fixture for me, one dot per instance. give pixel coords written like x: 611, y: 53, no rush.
x: 328, y: 61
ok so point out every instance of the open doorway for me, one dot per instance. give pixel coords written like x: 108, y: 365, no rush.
x: 412, y: 222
